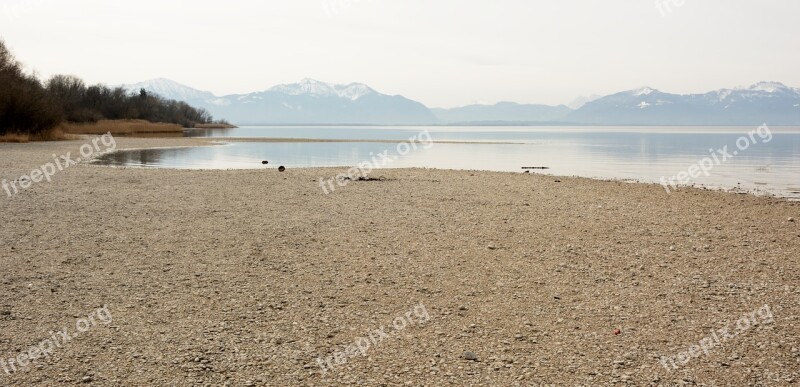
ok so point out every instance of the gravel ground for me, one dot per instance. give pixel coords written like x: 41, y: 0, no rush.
x: 246, y: 278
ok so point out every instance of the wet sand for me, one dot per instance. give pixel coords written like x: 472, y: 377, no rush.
x: 248, y: 277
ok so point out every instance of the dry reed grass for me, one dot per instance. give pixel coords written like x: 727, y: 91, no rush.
x: 55, y: 134
x: 215, y: 126
x: 121, y: 127
x: 68, y: 130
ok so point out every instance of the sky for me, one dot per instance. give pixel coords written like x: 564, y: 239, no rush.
x: 443, y: 53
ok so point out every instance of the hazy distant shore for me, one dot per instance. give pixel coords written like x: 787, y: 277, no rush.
x: 214, y: 126
x: 264, y: 139
x: 248, y: 277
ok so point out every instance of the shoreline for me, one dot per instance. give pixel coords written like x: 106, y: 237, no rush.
x: 181, y: 142
x: 212, y: 141
x: 249, y: 277
x: 276, y: 139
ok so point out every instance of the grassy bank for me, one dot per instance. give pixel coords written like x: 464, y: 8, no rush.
x: 121, y: 127
x: 215, y: 126
x: 68, y: 131
x: 55, y: 134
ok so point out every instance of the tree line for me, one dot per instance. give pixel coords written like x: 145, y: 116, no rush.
x: 30, y: 106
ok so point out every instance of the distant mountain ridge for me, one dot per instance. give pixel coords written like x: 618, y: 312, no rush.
x: 306, y: 102
x: 319, y: 103
x: 771, y: 102
x: 352, y: 91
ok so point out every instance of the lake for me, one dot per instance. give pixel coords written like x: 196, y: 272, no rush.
x: 766, y: 161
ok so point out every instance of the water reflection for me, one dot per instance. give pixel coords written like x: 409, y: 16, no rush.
x: 630, y: 155
x: 459, y: 133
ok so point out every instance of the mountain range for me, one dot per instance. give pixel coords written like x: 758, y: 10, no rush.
x: 306, y: 102
x: 318, y: 103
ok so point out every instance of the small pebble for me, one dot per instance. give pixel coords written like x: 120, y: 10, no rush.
x: 471, y: 356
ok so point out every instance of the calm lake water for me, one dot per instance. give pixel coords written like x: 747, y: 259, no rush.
x: 769, y: 163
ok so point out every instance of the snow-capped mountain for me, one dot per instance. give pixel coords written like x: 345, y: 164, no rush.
x: 770, y: 102
x: 170, y: 89
x: 770, y: 87
x: 315, y: 102
x: 643, y: 91
x: 306, y: 102
x: 755, y: 92
x: 308, y: 86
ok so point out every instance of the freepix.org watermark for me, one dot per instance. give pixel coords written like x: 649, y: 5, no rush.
x: 717, y: 157
x: 665, y: 6
x: 17, y: 9
x: 60, y: 163
x: 46, y: 347
x: 418, y: 315
x: 380, y: 160
x: 761, y: 316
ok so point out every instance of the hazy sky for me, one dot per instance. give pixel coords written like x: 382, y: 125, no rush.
x: 440, y: 52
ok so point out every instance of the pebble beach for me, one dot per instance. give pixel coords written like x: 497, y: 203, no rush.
x: 424, y: 278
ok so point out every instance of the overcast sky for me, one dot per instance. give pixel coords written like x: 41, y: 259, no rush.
x: 443, y: 53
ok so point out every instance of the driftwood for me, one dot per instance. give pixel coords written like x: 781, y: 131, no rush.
x: 364, y: 178
x: 535, y: 167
